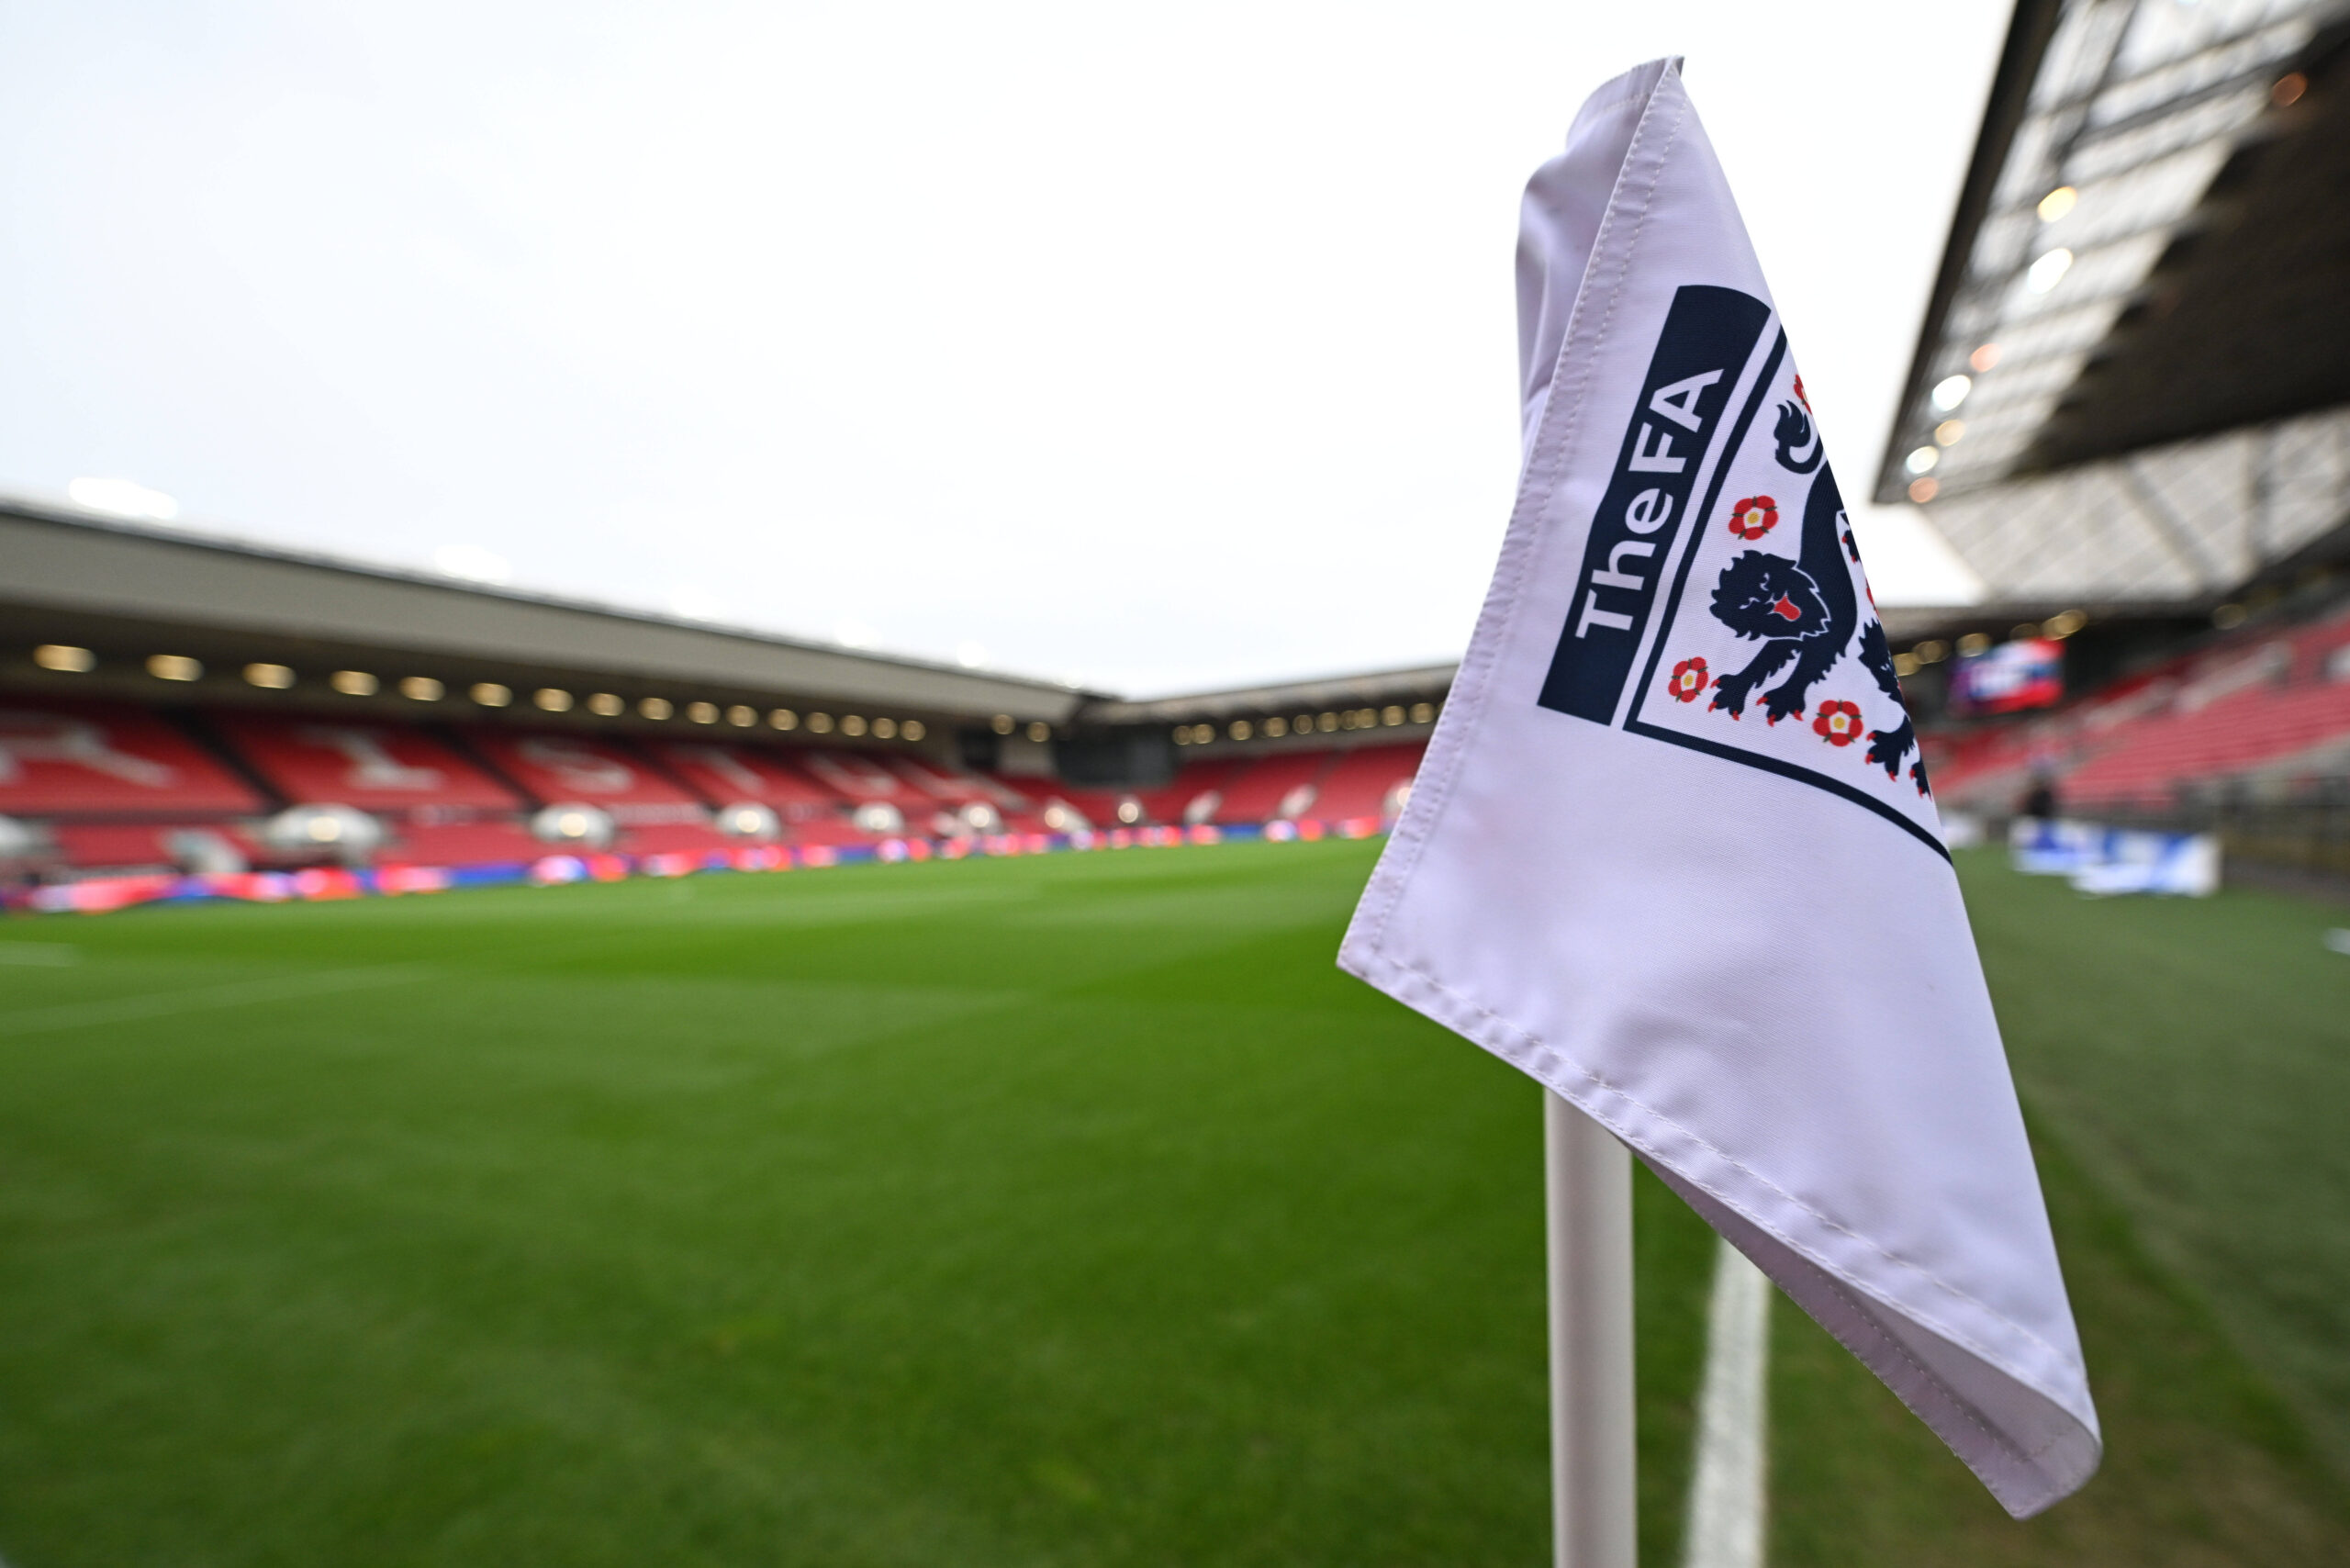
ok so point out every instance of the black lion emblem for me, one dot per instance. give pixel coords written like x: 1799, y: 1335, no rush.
x: 1802, y: 610
x: 1888, y: 747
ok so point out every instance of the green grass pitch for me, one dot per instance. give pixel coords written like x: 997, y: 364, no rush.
x: 1070, y: 1210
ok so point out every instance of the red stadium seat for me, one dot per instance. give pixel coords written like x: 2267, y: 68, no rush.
x: 855, y: 777
x: 58, y: 759
x: 497, y: 842
x: 353, y: 762
x: 1193, y: 783
x: 725, y: 774
x: 123, y: 847
x: 1281, y: 785
x: 1367, y: 782
x: 599, y: 772
x: 672, y: 838
x: 958, y: 789
x: 2252, y: 703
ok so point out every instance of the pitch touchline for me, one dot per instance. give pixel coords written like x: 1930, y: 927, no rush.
x: 1726, y: 1498
x: 126, y: 1009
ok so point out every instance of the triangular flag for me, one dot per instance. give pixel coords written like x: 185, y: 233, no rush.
x: 1672, y: 851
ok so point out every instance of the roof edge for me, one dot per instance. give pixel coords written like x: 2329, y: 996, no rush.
x: 2029, y: 32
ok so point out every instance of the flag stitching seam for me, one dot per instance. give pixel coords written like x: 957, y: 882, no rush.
x: 1958, y: 1403
x: 1525, y: 516
x: 1535, y: 1042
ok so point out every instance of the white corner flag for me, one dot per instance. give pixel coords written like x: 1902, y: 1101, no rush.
x: 1672, y: 852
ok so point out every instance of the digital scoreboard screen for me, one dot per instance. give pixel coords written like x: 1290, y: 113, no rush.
x: 2027, y: 673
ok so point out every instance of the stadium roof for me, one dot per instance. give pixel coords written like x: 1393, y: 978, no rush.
x: 2122, y: 385
x: 131, y: 592
x: 128, y: 592
x: 1378, y: 688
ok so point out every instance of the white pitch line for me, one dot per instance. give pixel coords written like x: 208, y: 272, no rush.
x: 241, y: 993
x: 1726, y: 1498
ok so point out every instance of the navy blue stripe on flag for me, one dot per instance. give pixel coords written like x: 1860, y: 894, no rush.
x: 1707, y: 337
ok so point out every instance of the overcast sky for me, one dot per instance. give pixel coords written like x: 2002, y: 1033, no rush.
x: 1152, y: 348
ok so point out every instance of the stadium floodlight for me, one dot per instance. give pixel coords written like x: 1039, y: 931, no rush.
x: 422, y: 689
x: 1951, y: 391
x: 742, y: 715
x: 269, y: 677
x: 820, y: 723
x: 1923, y: 459
x: 748, y: 819
x: 1039, y: 731
x: 345, y: 833
x: 1950, y: 433
x: 552, y: 699
x: 885, y: 729
x: 977, y: 816
x: 971, y: 656
x: 354, y: 682
x: 853, y: 725
x: 2057, y: 203
x: 490, y: 694
x: 606, y: 705
x: 655, y: 707
x: 174, y: 667
x: 784, y: 719
x: 913, y: 728
x: 123, y: 497
x: 1061, y: 817
x: 1424, y: 712
x: 879, y: 818
x: 1924, y: 490
x: 1002, y: 724
x: 18, y: 839
x: 65, y: 658
x: 702, y: 712
x: 1276, y: 727
x: 573, y: 823
x: 1129, y: 811
x: 2048, y: 271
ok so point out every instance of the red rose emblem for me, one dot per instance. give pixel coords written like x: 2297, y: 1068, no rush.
x: 1689, y: 680
x: 1799, y: 397
x: 1839, y: 723
x: 1754, y: 517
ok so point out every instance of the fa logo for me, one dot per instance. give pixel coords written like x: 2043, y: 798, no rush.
x: 1720, y: 627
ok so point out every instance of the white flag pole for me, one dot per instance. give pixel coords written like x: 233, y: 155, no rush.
x: 1588, y: 1178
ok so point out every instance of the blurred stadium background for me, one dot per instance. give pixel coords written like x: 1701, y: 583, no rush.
x: 1069, y: 1208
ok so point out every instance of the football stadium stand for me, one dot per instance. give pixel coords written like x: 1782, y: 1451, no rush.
x: 2128, y: 413
x: 375, y: 767
x: 2264, y: 712
x: 171, y: 699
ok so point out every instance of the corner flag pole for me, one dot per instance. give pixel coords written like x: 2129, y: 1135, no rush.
x: 1588, y: 1181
